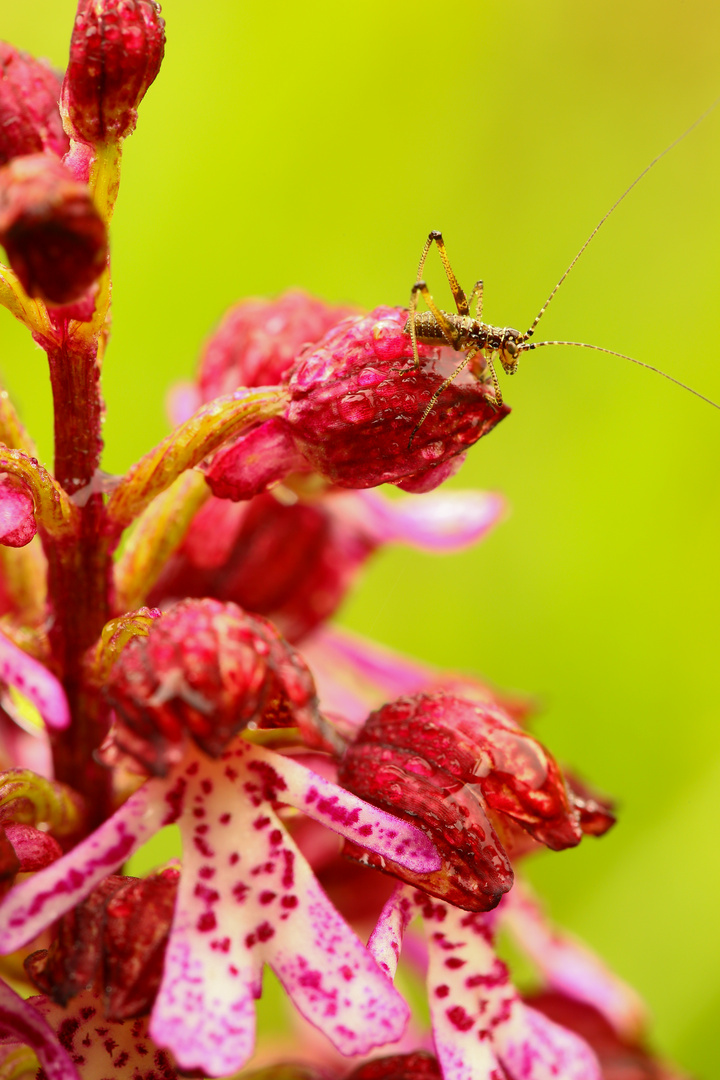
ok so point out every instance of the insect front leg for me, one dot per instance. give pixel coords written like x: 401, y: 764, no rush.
x: 476, y: 296
x: 467, y: 359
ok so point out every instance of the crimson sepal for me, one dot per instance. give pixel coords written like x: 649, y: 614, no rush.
x: 597, y: 812
x: 258, y: 341
x: 461, y: 768
x: 418, y: 1066
x: 116, y: 50
x: 55, y: 239
x: 114, y: 942
x: 29, y: 115
x: 207, y: 669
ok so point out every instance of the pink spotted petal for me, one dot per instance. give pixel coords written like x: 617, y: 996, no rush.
x: 121, y: 1049
x: 443, y: 522
x: 39, y: 900
x: 350, y: 816
x: 570, y: 968
x: 531, y: 1047
x: 34, y: 680
x: 21, y: 1023
x: 247, y: 897
x: 386, y: 940
x: 478, y: 1017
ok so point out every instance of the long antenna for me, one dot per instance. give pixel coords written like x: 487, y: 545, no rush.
x: 623, y: 356
x: 602, y: 221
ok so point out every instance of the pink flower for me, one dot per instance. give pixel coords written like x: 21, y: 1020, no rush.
x: 246, y: 896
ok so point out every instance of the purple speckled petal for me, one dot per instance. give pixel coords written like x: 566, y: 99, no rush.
x: 247, y: 897
x: 34, y: 680
x: 531, y: 1047
x: 351, y: 817
x: 121, y: 1049
x: 568, y: 966
x: 442, y: 522
x: 36, y: 902
x: 21, y: 1023
x: 386, y: 940
x: 479, y: 1019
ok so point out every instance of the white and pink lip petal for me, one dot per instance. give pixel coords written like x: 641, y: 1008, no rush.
x: 440, y: 522
x: 248, y: 897
x: 386, y: 940
x: 532, y: 1047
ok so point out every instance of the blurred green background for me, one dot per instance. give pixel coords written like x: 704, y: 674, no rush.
x: 316, y: 144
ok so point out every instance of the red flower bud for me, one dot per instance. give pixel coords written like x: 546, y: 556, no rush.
x: 116, y: 50
x: 465, y: 770
x: 293, y: 564
x: 17, y: 513
x: 355, y: 402
x: 417, y: 1066
x: 55, y: 239
x: 29, y: 115
x: 258, y: 341
x: 114, y: 940
x: 208, y: 669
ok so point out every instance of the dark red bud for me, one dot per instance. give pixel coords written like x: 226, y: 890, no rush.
x: 597, y: 813
x: 29, y: 115
x: 116, y: 50
x: 417, y: 1066
x: 55, y: 239
x: 258, y: 340
x: 293, y: 564
x: 206, y: 669
x: 115, y: 941
x: 461, y: 768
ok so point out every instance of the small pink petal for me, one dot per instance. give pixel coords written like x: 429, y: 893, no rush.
x: 39, y: 900
x: 34, y: 849
x: 21, y: 1023
x: 444, y: 522
x: 121, y: 1049
x: 352, y: 817
x: 569, y: 967
x: 183, y: 399
x: 17, y: 513
x: 254, y: 462
x: 386, y: 940
x: 34, y: 680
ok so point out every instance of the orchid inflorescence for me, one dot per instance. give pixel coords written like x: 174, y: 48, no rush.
x: 194, y: 680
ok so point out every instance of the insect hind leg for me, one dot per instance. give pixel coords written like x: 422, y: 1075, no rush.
x: 467, y: 357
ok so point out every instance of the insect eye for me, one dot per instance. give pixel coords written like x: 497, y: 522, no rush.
x: 511, y: 347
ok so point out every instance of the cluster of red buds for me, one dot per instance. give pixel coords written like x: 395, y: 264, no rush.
x: 323, y: 789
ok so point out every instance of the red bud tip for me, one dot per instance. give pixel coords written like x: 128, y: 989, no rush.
x: 116, y: 50
x: 29, y: 115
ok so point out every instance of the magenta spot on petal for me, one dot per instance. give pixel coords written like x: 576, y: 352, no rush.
x: 206, y: 872
x: 199, y: 811
x: 365, y: 830
x: 289, y: 901
x: 207, y: 786
x: 233, y: 970
x: 201, y: 830
x: 210, y: 896
x: 261, y: 822
x: 231, y: 773
x: 193, y: 768
x: 265, y: 931
x: 347, y: 973
x: 276, y: 837
x: 312, y: 979
x: 206, y: 922
x: 223, y: 945
x: 249, y: 941
x: 240, y: 891
x: 454, y: 962
x: 288, y: 878
x: 203, y: 847
x: 225, y: 818
x: 442, y: 991
x: 267, y: 897
x: 459, y: 1018
x: 233, y: 858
